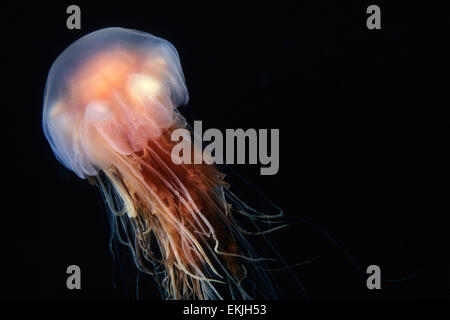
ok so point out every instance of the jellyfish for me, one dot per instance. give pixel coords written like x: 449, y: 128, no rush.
x: 110, y: 105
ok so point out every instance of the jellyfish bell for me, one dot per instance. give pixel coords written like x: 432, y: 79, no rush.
x: 110, y: 106
x: 110, y: 91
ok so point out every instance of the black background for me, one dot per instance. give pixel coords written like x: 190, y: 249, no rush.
x: 361, y: 119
